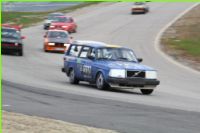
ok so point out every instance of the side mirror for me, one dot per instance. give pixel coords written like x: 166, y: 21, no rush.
x: 139, y: 60
x: 45, y: 36
x: 23, y: 37
x: 71, y: 37
x: 91, y: 57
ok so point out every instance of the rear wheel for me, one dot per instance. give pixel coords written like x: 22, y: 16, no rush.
x: 72, y: 77
x: 147, y: 91
x: 100, y: 82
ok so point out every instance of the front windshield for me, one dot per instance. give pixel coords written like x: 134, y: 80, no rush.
x: 10, y: 33
x: 60, y: 19
x: 51, y: 18
x: 57, y: 34
x: 116, y: 54
x: 138, y: 3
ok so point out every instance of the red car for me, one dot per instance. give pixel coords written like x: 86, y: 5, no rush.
x: 64, y: 23
x: 17, y: 27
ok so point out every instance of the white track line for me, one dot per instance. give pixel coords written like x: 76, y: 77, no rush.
x: 159, y: 35
x: 6, y: 105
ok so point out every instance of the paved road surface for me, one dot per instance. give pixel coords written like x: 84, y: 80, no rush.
x: 174, y: 107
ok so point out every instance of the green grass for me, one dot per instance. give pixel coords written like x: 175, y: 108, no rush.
x: 189, y: 46
x: 30, y: 18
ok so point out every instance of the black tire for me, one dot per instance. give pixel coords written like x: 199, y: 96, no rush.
x: 74, y: 31
x: 100, y: 82
x: 72, y: 78
x: 147, y: 91
x: 20, y: 53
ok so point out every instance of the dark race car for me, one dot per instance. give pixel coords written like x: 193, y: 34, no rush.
x: 11, y: 41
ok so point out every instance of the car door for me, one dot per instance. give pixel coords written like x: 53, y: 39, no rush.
x: 85, y: 64
x: 71, y: 58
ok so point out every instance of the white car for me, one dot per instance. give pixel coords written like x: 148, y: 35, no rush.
x: 139, y: 7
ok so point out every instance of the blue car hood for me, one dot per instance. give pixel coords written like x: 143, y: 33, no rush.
x: 124, y: 65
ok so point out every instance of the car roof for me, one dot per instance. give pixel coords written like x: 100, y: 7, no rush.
x: 139, y: 3
x: 16, y: 27
x: 94, y: 44
x: 9, y: 28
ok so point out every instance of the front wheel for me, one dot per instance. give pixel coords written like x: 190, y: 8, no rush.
x: 20, y: 53
x: 72, y: 78
x: 147, y: 91
x: 100, y: 82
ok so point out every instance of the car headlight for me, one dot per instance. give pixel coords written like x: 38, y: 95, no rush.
x: 66, y: 44
x: 64, y: 26
x: 117, y: 73
x: 52, y: 26
x: 151, y: 74
x: 52, y: 44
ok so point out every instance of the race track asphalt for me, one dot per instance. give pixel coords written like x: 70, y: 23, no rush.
x: 173, y: 107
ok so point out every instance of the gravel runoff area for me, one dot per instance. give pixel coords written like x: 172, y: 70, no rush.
x: 181, y: 40
x: 19, y: 123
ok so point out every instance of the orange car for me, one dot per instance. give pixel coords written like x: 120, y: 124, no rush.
x: 56, y: 40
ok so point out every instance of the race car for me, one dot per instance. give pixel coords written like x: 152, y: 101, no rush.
x: 11, y: 41
x: 50, y: 18
x: 64, y: 23
x: 56, y: 40
x: 108, y: 66
x: 139, y: 7
x: 17, y: 27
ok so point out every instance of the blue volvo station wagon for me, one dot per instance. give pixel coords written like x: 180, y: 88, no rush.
x: 108, y: 66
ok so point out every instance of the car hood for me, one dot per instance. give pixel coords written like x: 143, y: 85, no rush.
x: 58, y: 40
x: 124, y: 65
x: 11, y: 40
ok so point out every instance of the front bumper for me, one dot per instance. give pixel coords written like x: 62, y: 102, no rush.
x: 55, y: 48
x: 133, y: 82
x: 138, y: 10
x: 11, y: 48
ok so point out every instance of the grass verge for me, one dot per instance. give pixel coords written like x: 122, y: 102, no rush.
x: 182, y: 39
x: 30, y: 18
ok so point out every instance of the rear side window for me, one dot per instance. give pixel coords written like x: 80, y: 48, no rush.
x: 84, y: 52
x: 74, y: 50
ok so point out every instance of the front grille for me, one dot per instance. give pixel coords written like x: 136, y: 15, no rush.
x: 139, y: 74
x: 59, y: 44
x: 58, y: 26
